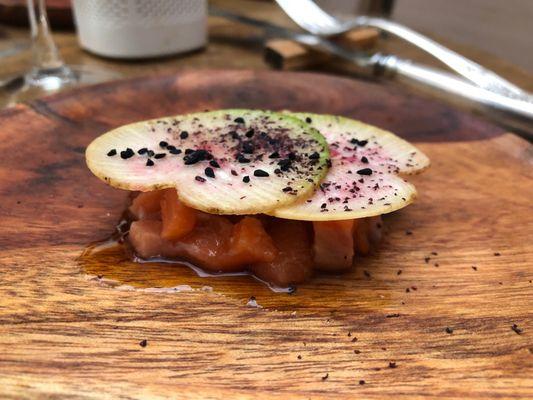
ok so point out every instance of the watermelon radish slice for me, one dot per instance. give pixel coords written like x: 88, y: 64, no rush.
x: 363, y: 180
x: 220, y: 162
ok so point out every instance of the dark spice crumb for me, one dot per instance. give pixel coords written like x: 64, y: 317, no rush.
x: 209, y: 172
x: 299, y: 357
x: 248, y: 148
x: 436, y: 264
x: 392, y: 364
x: 242, y: 159
x: 308, y: 120
x: 112, y: 152
x: 149, y: 163
x: 426, y: 259
x: 354, y: 339
x: 160, y: 155
x: 233, y: 172
x: 274, y: 155
x: 362, y: 382
x: 449, y: 330
x: 163, y: 144
x: 365, y: 171
x: 314, y: 156
x: 184, y: 135
x: 260, y: 173
x: 357, y: 351
x: 199, y: 178
x: 407, y: 290
x: 364, y: 160
x: 408, y: 233
x: 143, y: 343
x: 396, y: 315
x: 497, y: 254
x: 325, y: 376
x: 246, y: 179
x: 515, y: 328
x: 474, y: 267
x: 399, y: 272
x: 367, y: 274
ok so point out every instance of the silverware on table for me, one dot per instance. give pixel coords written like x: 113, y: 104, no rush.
x: 513, y: 112
x: 308, y: 15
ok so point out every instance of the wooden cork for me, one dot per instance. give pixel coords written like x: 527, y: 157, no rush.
x: 289, y: 55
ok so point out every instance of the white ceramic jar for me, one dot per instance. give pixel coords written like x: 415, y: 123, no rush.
x: 140, y: 28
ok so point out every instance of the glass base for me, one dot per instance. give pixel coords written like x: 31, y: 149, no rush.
x: 38, y: 83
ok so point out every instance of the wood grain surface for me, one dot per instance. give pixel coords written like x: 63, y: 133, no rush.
x: 430, y: 315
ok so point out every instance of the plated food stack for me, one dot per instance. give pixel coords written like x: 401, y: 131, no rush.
x: 274, y: 194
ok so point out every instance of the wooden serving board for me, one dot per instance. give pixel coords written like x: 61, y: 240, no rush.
x: 64, y: 334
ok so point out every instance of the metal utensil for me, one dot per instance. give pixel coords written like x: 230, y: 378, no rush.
x: 308, y: 15
x: 517, y: 113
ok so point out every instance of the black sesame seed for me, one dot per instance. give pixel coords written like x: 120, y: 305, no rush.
x: 209, y: 172
x: 274, y: 155
x: 239, y: 120
x: 323, y: 205
x: 242, y: 159
x: 195, y: 156
x: 362, y: 382
x: 142, y: 151
x: 214, y: 164
x: 174, y: 150
x: 449, y: 330
x: 170, y: 147
x: 250, y: 133
x: 128, y: 153
x: 246, y: 179
x: 292, y: 156
x: 308, y: 120
x: 112, y: 152
x: 365, y: 171
x: 362, y: 143
x: 199, y: 178
x: 260, y: 173
x: 149, y: 163
x: 392, y: 364
x: 150, y: 153
x: 233, y: 172
x: 184, y: 135
x: 314, y: 156
x: 284, y: 164
x: 162, y: 143
x: 143, y: 343
x: 160, y: 155
x: 364, y: 160
x: 189, y: 151
x: 287, y: 189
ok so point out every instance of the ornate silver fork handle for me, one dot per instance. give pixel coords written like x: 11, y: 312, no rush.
x: 470, y: 70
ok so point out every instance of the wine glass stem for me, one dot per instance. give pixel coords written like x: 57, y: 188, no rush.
x: 44, y: 51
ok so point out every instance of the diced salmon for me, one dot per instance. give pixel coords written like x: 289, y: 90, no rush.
x: 294, y: 262
x: 333, y: 245
x: 214, y: 244
x: 250, y: 243
x: 147, y: 205
x: 178, y: 219
x: 361, y: 242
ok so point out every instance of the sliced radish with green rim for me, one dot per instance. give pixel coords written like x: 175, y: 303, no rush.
x: 363, y: 180
x: 220, y: 162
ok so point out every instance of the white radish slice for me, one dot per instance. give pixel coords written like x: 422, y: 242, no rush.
x: 220, y: 162
x: 363, y: 180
